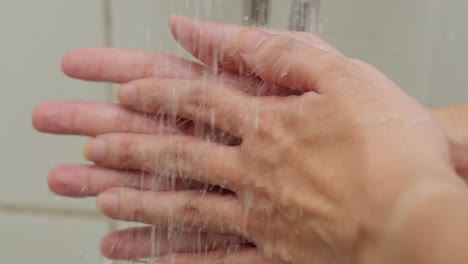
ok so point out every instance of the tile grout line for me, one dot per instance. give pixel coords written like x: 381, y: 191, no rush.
x: 15, y: 209
x: 108, y: 21
x: 109, y: 42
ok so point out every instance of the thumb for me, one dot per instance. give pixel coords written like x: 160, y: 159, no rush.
x: 287, y: 61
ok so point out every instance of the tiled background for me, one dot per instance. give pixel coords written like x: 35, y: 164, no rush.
x: 421, y: 44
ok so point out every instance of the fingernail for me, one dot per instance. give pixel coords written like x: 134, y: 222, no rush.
x: 249, y: 40
x: 95, y: 150
x: 108, y: 203
x: 127, y: 94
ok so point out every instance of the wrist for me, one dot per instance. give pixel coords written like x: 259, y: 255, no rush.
x: 452, y: 120
x: 429, y: 213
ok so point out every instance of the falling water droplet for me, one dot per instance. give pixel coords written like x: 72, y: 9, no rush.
x: 305, y: 18
x: 284, y: 74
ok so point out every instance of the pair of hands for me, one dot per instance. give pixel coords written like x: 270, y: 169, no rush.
x: 317, y: 149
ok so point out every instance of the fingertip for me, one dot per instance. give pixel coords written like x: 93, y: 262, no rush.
x: 44, y: 117
x: 100, y: 203
x: 70, y: 62
x: 68, y: 180
x: 179, y: 25
x: 110, y: 245
x: 78, y: 63
x: 127, y: 94
x: 176, y: 20
x: 37, y: 117
x: 55, y: 182
x: 95, y: 150
x: 104, y: 247
x: 108, y: 203
x: 122, y: 244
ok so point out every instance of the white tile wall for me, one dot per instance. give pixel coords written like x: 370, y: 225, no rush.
x: 420, y: 44
x: 34, y: 37
x: 43, y: 239
x: 143, y: 25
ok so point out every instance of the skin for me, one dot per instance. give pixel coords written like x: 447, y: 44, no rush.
x: 154, y: 90
x: 349, y: 118
x: 453, y: 119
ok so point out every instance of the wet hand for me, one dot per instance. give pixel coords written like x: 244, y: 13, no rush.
x: 121, y: 66
x: 454, y: 120
x: 308, y: 174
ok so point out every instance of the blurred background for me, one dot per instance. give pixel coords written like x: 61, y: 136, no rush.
x: 420, y: 44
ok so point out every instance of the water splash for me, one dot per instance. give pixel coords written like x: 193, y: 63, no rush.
x: 303, y: 17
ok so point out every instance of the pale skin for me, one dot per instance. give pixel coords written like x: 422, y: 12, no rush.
x: 311, y: 145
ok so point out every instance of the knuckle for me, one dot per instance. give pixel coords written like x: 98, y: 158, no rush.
x: 128, y: 153
x: 148, y: 67
x: 338, y: 68
x: 138, y: 124
x: 274, y: 49
x: 125, y: 145
x: 146, y: 95
x: 277, y: 43
x: 139, y: 214
x: 178, y: 153
x: 309, y: 37
x: 269, y: 126
x: 196, y: 97
x: 191, y: 209
x: 74, y: 126
x: 191, y: 212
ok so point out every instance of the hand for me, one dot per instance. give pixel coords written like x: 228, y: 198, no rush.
x: 331, y: 142
x: 125, y: 66
x: 120, y: 66
x: 454, y: 120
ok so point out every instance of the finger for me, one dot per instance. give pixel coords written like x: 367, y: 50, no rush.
x: 176, y: 155
x: 291, y: 63
x: 213, y: 103
x: 121, y: 66
x: 308, y: 38
x: 86, y: 181
x: 239, y: 255
x: 215, y: 44
x: 185, y: 210
x: 92, y: 119
x: 150, y: 242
